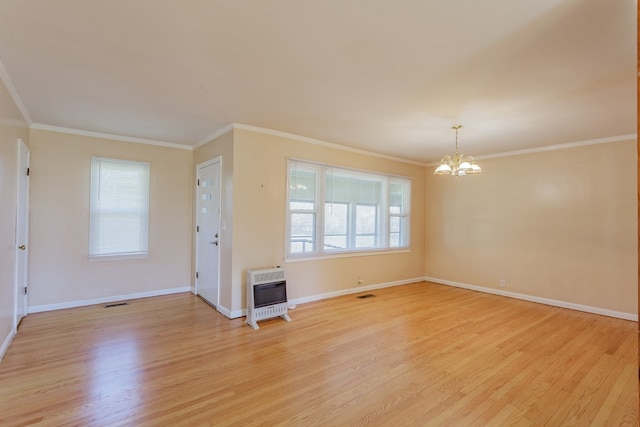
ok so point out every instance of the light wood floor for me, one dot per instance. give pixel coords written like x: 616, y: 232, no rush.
x: 420, y: 354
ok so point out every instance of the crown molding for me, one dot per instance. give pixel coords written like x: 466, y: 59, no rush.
x: 213, y: 136
x: 101, y: 135
x: 314, y: 141
x: 576, y: 144
x: 8, y: 83
x: 560, y: 146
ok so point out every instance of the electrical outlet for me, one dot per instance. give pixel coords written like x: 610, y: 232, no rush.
x: 503, y: 283
x: 360, y: 280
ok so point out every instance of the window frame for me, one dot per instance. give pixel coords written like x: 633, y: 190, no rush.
x: 95, y: 213
x: 315, y: 211
x: 383, y: 213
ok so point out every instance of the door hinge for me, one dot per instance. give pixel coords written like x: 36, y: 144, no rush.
x: 198, y: 182
x: 196, y: 274
x: 197, y: 228
x: 28, y: 171
x: 25, y: 290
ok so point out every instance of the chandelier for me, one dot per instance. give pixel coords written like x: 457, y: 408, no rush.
x: 459, y: 165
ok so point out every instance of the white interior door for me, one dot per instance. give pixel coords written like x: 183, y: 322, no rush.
x: 208, y: 231
x: 22, y: 232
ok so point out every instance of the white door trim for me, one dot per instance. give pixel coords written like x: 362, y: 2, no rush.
x: 22, y: 233
x: 197, y: 236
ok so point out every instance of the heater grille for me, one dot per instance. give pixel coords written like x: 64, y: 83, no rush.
x: 258, y: 277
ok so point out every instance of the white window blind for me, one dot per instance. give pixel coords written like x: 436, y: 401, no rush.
x: 119, y: 208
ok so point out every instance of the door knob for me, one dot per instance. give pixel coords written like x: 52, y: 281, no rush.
x: 22, y: 247
x: 214, y: 243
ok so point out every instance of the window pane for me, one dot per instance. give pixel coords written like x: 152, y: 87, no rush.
x: 399, y: 202
x: 394, y: 224
x: 366, y: 219
x: 360, y: 194
x: 365, y: 242
x: 398, y: 196
x: 302, y: 197
x: 394, y: 232
x: 302, y: 233
x: 302, y: 186
x: 336, y: 220
x: 335, y: 242
x: 366, y: 226
x: 348, y: 186
x: 397, y: 232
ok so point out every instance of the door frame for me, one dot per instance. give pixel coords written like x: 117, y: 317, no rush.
x: 22, y: 232
x: 197, y: 236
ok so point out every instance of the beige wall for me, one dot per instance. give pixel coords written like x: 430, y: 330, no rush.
x: 254, y: 212
x: 12, y: 127
x: 59, y: 268
x: 259, y: 210
x: 563, y: 230
x: 221, y: 147
x: 559, y: 225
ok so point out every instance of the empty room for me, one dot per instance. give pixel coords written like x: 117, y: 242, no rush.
x: 318, y: 213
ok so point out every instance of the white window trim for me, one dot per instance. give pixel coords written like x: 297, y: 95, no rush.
x: 123, y: 255
x: 319, y: 252
x: 112, y: 257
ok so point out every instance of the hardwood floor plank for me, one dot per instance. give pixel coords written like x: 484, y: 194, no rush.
x: 607, y: 406
x: 420, y: 354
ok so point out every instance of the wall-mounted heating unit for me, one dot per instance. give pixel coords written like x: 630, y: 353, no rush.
x: 266, y: 295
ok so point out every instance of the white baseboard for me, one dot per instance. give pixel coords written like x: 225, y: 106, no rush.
x: 222, y: 309
x: 531, y: 298
x: 103, y: 300
x: 349, y: 291
x: 6, y: 342
x: 231, y: 314
x: 240, y: 313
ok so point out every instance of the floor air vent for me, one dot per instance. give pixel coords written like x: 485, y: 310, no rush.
x: 118, y: 304
x: 366, y: 296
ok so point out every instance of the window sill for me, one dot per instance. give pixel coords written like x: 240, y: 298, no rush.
x: 117, y: 257
x: 374, y: 252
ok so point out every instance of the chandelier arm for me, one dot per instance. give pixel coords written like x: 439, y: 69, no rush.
x: 459, y: 164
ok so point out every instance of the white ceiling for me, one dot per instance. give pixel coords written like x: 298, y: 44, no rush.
x: 389, y: 76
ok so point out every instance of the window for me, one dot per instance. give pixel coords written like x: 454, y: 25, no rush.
x: 334, y: 210
x: 119, y: 208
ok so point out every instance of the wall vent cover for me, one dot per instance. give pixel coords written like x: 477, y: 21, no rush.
x: 118, y: 304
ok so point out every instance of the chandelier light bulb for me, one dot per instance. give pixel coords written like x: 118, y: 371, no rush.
x: 459, y: 164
